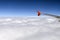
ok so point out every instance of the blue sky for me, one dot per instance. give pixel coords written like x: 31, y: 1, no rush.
x: 28, y: 7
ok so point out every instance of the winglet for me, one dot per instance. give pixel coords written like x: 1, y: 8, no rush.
x: 39, y: 13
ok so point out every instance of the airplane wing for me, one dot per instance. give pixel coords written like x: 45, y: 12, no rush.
x: 52, y: 15
x: 39, y: 13
x: 58, y: 17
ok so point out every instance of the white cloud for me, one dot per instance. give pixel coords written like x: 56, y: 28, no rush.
x: 30, y: 28
x: 8, y: 19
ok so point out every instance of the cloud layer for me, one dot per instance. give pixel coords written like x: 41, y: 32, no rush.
x: 29, y: 28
